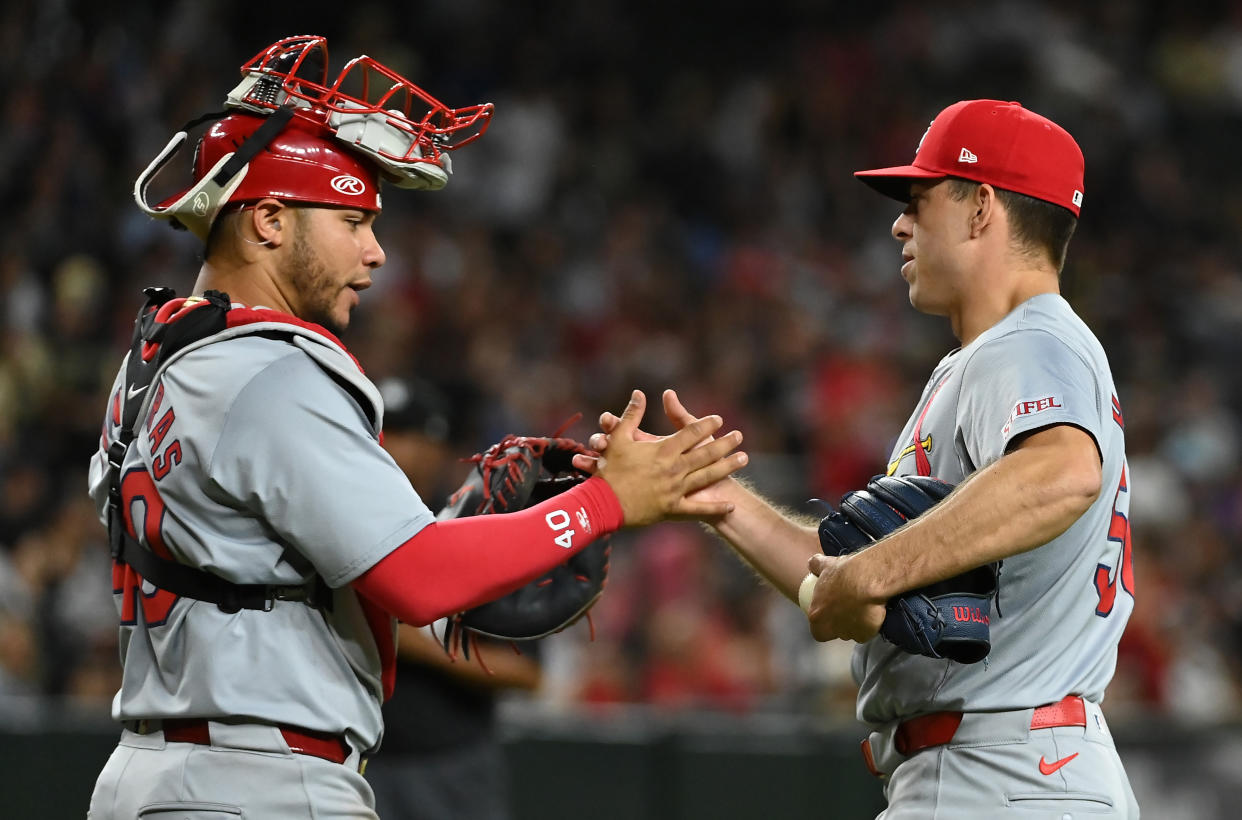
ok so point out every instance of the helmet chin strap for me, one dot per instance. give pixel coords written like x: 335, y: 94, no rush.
x: 264, y: 134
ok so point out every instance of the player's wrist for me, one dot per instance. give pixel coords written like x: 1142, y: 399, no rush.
x: 862, y: 572
x: 602, y: 502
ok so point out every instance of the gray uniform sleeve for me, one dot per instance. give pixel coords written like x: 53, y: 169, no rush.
x: 297, y: 451
x: 1024, y: 381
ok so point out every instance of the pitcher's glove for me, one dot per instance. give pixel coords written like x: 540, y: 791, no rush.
x: 513, y: 474
x: 948, y: 619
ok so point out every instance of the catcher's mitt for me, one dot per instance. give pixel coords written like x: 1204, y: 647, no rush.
x: 513, y: 474
x: 948, y: 619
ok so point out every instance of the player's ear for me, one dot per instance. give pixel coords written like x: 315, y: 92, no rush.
x: 983, y: 203
x: 266, y: 222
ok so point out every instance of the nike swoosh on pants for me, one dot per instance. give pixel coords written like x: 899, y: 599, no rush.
x: 1048, y: 768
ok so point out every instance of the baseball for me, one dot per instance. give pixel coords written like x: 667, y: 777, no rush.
x: 806, y: 591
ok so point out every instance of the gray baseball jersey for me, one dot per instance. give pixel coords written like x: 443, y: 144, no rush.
x: 1062, y: 606
x: 255, y: 463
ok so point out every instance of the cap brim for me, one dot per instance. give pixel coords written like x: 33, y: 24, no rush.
x: 895, y: 182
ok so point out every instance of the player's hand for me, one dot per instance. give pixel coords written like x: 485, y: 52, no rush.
x: 608, y: 422
x: 841, y: 607
x: 657, y: 477
x: 717, y: 495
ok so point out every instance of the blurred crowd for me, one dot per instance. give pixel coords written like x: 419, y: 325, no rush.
x: 664, y: 199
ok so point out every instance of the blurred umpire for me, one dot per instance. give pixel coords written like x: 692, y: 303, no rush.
x: 441, y: 754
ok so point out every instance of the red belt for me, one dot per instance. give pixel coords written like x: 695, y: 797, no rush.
x: 301, y: 741
x: 938, y: 728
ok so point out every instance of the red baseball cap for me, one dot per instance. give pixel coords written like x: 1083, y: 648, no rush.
x: 1000, y: 143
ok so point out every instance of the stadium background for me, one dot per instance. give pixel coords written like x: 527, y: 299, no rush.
x: 664, y: 199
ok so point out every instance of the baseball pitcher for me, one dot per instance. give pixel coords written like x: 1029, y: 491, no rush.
x: 986, y: 571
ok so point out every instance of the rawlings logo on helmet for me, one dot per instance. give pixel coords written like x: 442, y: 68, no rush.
x: 348, y: 184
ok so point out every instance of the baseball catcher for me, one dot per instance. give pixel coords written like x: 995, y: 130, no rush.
x: 265, y: 543
x: 948, y: 619
x: 515, y: 473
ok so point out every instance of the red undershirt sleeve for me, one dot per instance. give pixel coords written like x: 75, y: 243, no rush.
x: 454, y: 565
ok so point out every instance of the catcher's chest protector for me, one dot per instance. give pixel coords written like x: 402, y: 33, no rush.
x: 163, y: 328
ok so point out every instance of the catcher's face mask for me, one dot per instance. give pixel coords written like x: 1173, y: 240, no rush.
x: 287, y: 132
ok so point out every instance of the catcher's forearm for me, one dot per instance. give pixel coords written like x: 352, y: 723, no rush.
x: 1018, y: 503
x: 505, y: 668
x: 775, y: 544
x: 454, y: 565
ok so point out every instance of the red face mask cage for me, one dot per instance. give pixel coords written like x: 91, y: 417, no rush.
x: 299, y: 65
x: 387, y: 122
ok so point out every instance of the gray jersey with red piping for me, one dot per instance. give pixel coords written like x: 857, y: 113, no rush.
x: 259, y: 460
x: 1062, y: 606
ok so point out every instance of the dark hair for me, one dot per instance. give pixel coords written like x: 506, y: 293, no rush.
x: 1037, y: 225
x: 223, y: 222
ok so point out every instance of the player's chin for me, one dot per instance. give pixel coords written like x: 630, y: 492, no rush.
x: 334, y: 320
x: 914, y: 295
x: 922, y: 305
x: 343, y: 310
x: 348, y: 300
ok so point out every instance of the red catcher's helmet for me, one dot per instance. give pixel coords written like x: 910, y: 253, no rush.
x: 299, y: 165
x: 293, y: 135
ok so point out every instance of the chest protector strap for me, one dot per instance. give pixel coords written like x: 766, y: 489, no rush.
x: 155, y: 339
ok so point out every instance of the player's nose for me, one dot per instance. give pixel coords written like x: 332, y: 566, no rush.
x: 373, y: 255
x: 902, y: 227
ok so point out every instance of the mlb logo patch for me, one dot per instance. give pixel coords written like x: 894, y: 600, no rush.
x: 1030, y: 408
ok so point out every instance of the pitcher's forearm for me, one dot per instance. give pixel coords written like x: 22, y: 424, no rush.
x: 1016, y: 504
x: 776, y: 544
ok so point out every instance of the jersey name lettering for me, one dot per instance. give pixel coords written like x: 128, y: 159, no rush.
x: 156, y: 437
x: 161, y: 464
x: 157, y: 401
x: 166, y: 460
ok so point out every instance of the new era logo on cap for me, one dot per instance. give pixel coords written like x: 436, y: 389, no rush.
x: 1010, y: 148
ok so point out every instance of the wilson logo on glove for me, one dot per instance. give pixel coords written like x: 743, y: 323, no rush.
x: 965, y: 614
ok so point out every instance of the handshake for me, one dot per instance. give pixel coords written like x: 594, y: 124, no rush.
x: 686, y: 475
x: 671, y: 477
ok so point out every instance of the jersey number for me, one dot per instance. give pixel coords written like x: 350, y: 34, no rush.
x: 558, y: 521
x: 1105, y: 579
x: 137, y: 487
